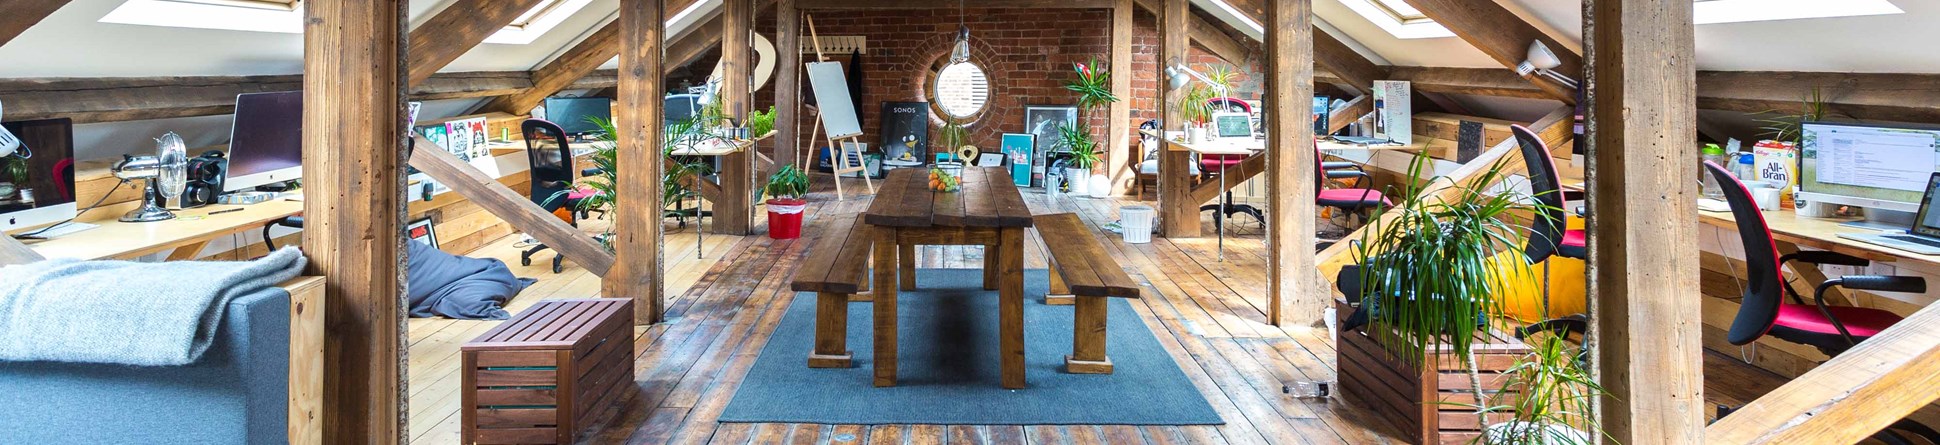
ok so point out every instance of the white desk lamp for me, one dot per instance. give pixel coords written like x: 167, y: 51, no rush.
x: 1178, y: 75
x: 9, y: 142
x: 1542, y: 61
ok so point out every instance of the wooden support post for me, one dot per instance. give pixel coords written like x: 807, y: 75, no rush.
x: 1059, y: 293
x: 1293, y: 289
x: 883, y: 296
x: 1643, y: 229
x: 788, y: 83
x: 734, y: 211
x: 23, y: 14
x: 1118, y: 161
x: 636, y: 222
x: 353, y: 173
x: 1175, y: 190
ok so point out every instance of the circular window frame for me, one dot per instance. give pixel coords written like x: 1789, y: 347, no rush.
x: 932, y: 79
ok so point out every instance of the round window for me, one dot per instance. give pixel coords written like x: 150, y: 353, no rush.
x: 961, y: 90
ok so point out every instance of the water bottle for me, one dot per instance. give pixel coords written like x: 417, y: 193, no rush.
x: 1714, y: 154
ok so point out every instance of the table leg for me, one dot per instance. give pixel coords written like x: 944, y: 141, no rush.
x: 990, y: 255
x: 1010, y: 304
x: 1088, y: 338
x: 831, y: 331
x: 1059, y: 294
x: 884, y: 296
x: 906, y: 275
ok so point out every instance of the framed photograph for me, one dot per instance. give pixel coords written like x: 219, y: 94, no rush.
x: 905, y: 130
x: 1017, y: 149
x: 422, y: 230
x: 1043, y: 121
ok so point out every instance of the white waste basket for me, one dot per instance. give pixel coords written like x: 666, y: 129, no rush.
x: 1137, y: 223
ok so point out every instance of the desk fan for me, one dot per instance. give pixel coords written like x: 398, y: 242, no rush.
x: 167, y: 175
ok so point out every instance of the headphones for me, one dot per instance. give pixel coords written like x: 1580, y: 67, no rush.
x: 205, y: 174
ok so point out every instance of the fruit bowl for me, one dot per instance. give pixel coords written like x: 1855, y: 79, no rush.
x: 944, y: 181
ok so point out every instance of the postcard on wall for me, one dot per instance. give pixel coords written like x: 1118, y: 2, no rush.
x: 1017, y: 150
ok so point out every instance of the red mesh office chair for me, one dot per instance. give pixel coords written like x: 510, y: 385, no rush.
x: 1830, y: 329
x: 1217, y: 165
x: 1363, y: 198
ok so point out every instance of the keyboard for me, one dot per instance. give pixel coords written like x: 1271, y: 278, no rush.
x: 1914, y: 239
x: 64, y: 229
x: 1896, y: 241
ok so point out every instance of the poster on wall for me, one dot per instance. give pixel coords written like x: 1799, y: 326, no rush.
x: 905, y: 130
x: 1017, y: 150
x: 1043, y: 122
x: 467, y: 139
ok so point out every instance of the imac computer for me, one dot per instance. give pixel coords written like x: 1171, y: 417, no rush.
x: 1883, y: 169
x: 576, y: 114
x: 37, y: 181
x: 266, y: 142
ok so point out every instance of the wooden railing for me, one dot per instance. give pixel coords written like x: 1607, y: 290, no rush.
x: 1849, y: 397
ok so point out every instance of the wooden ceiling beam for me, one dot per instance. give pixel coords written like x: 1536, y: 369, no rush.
x: 857, y: 5
x: 1330, y: 54
x: 1897, y: 97
x: 23, y: 14
x: 457, y: 29
x: 603, y: 45
x: 1505, y: 37
x: 116, y: 99
x: 1471, y: 81
x: 1208, y: 35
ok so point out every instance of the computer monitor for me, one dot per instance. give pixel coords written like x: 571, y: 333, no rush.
x: 39, y: 188
x: 266, y: 142
x: 575, y: 114
x: 1884, y: 169
x: 1928, y: 222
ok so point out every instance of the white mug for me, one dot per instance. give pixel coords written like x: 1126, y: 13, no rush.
x: 1767, y: 198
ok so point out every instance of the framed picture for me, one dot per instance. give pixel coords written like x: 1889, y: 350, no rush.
x: 1043, y: 122
x: 1017, y: 149
x: 905, y: 130
x: 422, y: 230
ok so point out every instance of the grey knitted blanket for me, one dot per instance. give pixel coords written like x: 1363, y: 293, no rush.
x: 124, y: 312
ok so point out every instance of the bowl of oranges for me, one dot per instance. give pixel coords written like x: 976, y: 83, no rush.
x: 943, y: 181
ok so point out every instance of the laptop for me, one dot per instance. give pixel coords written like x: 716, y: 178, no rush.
x: 1923, y: 238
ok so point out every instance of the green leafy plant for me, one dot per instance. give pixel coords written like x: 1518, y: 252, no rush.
x: 787, y: 183
x: 1093, y: 85
x: 1554, y: 398
x: 676, y: 180
x: 15, y: 168
x: 760, y: 123
x: 1080, y: 144
x: 1784, y: 127
x: 952, y: 136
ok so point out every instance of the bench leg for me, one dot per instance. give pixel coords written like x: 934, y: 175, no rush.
x: 1088, y: 338
x: 990, y: 255
x: 884, y: 312
x: 1060, y: 294
x: 1010, y: 305
x: 831, y: 331
x: 906, y: 273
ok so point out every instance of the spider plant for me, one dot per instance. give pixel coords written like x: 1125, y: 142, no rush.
x: 1554, y: 398
x: 1784, y: 127
x: 1082, y: 146
x: 1093, y: 85
x: 1428, y: 267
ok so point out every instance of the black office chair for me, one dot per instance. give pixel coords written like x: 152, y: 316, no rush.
x: 1831, y: 329
x: 1549, y: 234
x: 552, y: 175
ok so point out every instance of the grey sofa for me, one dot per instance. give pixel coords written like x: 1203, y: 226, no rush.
x: 237, y: 393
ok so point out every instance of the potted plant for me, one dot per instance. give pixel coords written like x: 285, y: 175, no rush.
x: 13, y: 173
x: 1083, y: 150
x: 1554, y: 401
x: 677, y: 179
x: 1430, y: 269
x: 785, y: 191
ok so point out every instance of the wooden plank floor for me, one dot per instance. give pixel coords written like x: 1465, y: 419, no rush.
x: 1207, y: 314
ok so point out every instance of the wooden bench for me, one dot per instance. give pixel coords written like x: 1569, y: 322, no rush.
x: 546, y: 374
x: 835, y: 270
x: 1082, y: 274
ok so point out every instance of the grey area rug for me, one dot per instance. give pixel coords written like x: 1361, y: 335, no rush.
x: 956, y: 381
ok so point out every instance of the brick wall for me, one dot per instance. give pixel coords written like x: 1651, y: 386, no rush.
x: 1027, y: 54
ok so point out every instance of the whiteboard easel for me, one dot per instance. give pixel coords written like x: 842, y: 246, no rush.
x: 835, y: 111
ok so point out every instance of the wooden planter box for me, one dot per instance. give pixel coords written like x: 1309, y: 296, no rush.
x: 544, y: 375
x: 1428, y: 405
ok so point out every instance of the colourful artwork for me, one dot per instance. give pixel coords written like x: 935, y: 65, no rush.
x: 1017, y: 150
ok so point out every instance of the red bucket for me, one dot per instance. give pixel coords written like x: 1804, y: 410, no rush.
x: 785, y: 218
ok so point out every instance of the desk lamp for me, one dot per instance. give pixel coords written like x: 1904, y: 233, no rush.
x: 166, y: 172
x: 1542, y: 61
x: 9, y: 142
x: 1178, y: 75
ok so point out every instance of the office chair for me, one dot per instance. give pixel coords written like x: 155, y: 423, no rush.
x: 1358, y: 200
x: 1549, y: 234
x: 551, y: 174
x: 1830, y: 329
x: 1217, y: 165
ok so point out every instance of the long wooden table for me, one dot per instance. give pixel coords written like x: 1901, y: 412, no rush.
x: 988, y: 211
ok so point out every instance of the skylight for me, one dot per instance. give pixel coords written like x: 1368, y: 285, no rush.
x: 1735, y: 11
x: 234, y: 15
x: 537, y: 21
x: 1399, y: 18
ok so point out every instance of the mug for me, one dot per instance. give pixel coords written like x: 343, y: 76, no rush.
x: 1767, y: 198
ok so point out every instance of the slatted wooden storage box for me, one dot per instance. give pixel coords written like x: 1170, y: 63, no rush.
x: 543, y: 375
x: 1423, y: 404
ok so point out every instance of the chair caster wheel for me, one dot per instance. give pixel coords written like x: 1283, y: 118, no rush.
x: 525, y: 261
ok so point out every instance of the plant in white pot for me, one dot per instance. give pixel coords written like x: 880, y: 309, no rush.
x: 1554, y: 400
x: 1093, y: 85
x: 1084, y: 154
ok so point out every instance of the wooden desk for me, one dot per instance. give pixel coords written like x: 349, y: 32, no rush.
x: 1823, y: 234
x: 1179, y: 197
x: 988, y: 211
x: 185, y: 235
